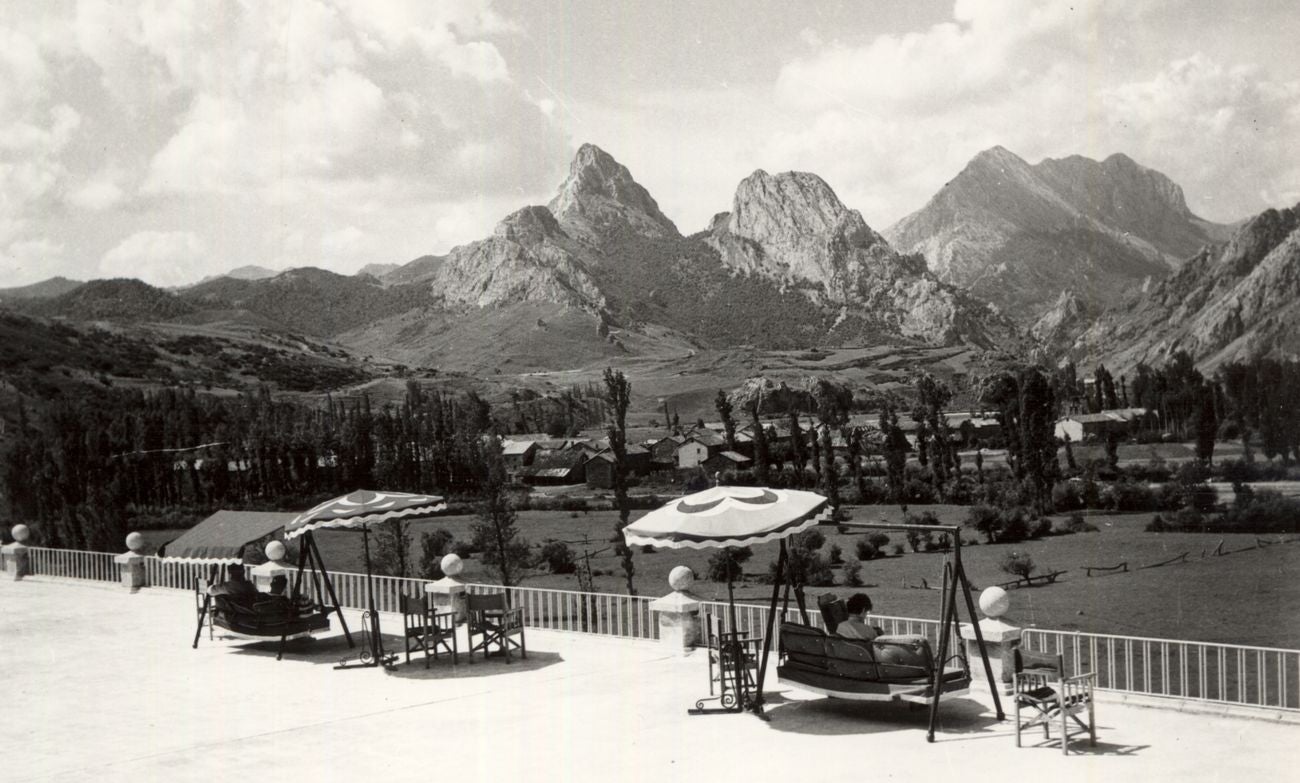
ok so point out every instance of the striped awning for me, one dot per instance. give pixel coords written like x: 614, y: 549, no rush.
x: 221, y: 538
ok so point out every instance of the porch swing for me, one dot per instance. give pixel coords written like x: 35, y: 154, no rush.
x: 888, y: 668
x: 220, y: 540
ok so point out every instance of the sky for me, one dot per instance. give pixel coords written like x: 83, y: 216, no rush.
x: 171, y: 140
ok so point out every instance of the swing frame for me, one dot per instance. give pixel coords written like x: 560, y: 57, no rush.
x: 948, y: 618
x: 309, y: 557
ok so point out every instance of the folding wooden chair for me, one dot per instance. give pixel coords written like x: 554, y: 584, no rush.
x: 428, y: 630
x: 1041, y: 687
x: 500, y: 628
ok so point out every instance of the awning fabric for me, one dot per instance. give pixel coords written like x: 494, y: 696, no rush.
x: 221, y: 537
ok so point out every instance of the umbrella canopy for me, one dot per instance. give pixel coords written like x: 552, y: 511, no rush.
x: 361, y: 509
x: 729, y: 516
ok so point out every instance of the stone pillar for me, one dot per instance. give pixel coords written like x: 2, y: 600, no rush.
x: 1001, y: 638
x: 15, y: 557
x: 273, y: 567
x: 131, y: 563
x: 679, y: 612
x: 448, y: 593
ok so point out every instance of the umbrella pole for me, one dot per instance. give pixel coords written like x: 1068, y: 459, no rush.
x: 376, y: 646
x: 733, y: 641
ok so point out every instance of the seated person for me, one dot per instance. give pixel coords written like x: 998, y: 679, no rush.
x: 236, y: 583
x: 855, y: 626
x: 279, y: 585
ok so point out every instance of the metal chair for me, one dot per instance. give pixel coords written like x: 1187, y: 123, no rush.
x: 1040, y: 685
x: 500, y: 627
x: 428, y: 630
x: 724, y: 648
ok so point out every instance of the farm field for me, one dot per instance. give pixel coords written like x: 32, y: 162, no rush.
x: 1245, y: 597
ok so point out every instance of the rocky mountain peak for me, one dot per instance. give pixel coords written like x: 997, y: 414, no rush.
x: 600, y: 196
x: 795, y: 207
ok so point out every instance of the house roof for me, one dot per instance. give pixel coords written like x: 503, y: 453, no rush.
x: 731, y: 456
x: 554, y: 464
x: 708, y: 438
x: 517, y: 447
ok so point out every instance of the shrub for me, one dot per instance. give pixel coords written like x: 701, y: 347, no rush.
x: 727, y: 564
x: 558, y: 558
x: 463, y: 549
x: 836, y: 554
x: 1018, y: 564
x: 878, y: 540
x: 1156, y: 525
x: 864, y: 550
x: 1043, y: 527
x: 1067, y: 495
x: 985, y: 520
x: 852, y: 572
x: 1077, y: 524
x: 914, y: 540
x: 811, y: 539
x: 433, y: 546
x: 1129, y: 496
x: 898, y: 549
x: 941, y: 544
x: 648, y: 549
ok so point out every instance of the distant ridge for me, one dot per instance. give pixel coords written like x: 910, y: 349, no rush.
x: 1230, y: 301
x: 45, y: 289
x: 1019, y: 235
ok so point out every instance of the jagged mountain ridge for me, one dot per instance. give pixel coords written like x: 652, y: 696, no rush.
x: 1230, y: 301
x: 1018, y: 234
x: 793, y: 229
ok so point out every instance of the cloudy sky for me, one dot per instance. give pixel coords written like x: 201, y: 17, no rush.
x: 171, y: 140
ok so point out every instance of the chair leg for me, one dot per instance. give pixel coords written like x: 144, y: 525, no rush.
x: 1017, y: 708
x: 1092, y: 724
x: 1065, y: 731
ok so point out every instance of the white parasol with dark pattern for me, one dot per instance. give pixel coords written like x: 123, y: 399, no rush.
x: 729, y: 516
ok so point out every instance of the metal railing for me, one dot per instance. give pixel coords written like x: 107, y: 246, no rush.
x: 1241, y: 675
x: 1235, y: 674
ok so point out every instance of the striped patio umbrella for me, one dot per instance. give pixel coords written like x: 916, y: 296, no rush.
x: 358, y: 511
x: 721, y: 517
x: 729, y: 516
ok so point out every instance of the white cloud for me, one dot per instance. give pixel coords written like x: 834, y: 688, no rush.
x: 31, y: 260
x: 99, y: 193
x: 162, y: 258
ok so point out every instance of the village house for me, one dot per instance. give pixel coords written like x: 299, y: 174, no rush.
x: 1084, y: 426
x: 664, y: 451
x: 600, y: 466
x: 518, y: 454
x: 555, y: 467
x: 724, y: 461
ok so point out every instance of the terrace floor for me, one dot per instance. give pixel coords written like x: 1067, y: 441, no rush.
x: 101, y: 685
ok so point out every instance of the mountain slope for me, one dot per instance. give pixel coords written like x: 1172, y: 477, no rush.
x: 1229, y: 301
x: 46, y: 289
x: 119, y: 299
x: 308, y: 299
x: 1018, y: 234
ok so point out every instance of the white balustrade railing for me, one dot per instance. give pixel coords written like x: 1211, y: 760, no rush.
x: 1199, y: 671
x: 1263, y: 677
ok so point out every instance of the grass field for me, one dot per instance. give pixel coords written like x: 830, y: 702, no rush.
x: 1246, y: 597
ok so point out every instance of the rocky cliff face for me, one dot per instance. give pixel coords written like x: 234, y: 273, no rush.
x: 1228, y: 301
x: 528, y: 258
x: 600, y: 196
x: 1018, y: 235
x: 793, y: 229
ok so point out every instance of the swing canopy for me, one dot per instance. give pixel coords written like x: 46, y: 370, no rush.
x: 221, y: 538
x: 728, y: 516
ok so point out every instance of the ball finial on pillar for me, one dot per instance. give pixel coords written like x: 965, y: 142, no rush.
x: 134, y: 542
x: 275, y: 551
x: 20, y: 533
x: 681, y: 578
x: 452, y: 565
x: 994, y: 602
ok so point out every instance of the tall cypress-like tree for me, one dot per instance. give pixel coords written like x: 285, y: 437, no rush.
x: 760, y: 444
x: 728, y: 422
x: 618, y: 394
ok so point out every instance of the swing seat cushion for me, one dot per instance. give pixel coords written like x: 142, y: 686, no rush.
x: 884, y: 659
x: 269, y: 616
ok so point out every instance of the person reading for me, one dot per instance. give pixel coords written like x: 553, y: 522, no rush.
x: 855, y: 626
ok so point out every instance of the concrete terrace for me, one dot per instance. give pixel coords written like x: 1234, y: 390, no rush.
x: 101, y: 685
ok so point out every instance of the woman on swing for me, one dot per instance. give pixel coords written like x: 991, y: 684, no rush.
x: 855, y: 625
